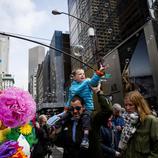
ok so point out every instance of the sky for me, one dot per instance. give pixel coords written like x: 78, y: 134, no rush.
x: 31, y: 18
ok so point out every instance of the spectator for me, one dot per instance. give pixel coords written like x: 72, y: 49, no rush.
x: 101, y: 142
x: 70, y: 134
x: 143, y: 142
x: 118, y: 120
x: 108, y: 138
x: 42, y: 148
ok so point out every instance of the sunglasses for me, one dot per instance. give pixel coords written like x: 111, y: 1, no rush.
x: 78, y: 108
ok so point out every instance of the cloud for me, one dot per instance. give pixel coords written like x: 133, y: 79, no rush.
x: 20, y: 17
x: 32, y: 18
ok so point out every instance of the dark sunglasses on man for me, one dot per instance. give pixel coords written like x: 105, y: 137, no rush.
x: 78, y: 108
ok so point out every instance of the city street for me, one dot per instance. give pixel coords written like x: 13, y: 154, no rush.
x: 57, y: 152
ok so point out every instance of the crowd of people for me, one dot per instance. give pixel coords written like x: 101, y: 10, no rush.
x: 110, y: 132
x: 114, y: 132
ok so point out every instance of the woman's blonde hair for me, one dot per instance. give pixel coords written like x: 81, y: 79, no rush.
x: 140, y: 103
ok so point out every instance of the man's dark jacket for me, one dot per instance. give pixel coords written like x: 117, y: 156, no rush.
x: 64, y: 139
x: 72, y: 149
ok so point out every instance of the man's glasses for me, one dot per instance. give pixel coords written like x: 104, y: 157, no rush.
x: 78, y: 108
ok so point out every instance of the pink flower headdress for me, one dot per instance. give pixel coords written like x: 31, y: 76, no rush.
x: 17, y: 107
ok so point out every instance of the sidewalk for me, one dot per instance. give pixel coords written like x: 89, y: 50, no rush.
x: 57, y: 152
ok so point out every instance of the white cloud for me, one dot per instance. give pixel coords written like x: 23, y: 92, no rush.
x: 32, y: 18
x: 21, y: 17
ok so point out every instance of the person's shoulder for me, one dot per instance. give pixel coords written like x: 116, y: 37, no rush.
x: 151, y: 122
x: 74, y: 82
x: 151, y: 118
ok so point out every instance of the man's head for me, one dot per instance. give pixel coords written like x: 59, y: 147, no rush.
x: 42, y: 120
x: 79, y: 75
x: 117, y: 109
x: 77, y: 106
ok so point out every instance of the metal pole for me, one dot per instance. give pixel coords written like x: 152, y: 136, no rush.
x: 77, y: 18
x: 33, y: 41
x: 56, y: 12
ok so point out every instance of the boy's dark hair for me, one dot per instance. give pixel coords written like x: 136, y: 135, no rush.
x: 76, y: 97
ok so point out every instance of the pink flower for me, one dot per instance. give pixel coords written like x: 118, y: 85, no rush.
x: 17, y: 107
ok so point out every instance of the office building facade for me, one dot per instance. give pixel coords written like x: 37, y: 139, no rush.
x: 6, y: 81
x: 36, y: 56
x: 60, y: 67
x: 132, y: 15
x: 53, y: 75
x: 4, y: 54
x: 102, y: 15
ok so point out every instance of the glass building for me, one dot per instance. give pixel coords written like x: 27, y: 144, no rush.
x: 102, y: 16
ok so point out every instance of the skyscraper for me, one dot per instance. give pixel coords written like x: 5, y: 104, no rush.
x: 102, y: 15
x: 4, y: 54
x: 60, y: 66
x: 132, y: 15
x: 53, y: 74
x: 36, y: 56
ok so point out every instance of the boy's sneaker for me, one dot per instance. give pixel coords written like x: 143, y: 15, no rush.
x: 85, y: 143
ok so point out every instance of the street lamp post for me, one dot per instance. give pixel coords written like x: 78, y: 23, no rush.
x: 56, y: 12
x: 51, y: 47
x: 91, y: 30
